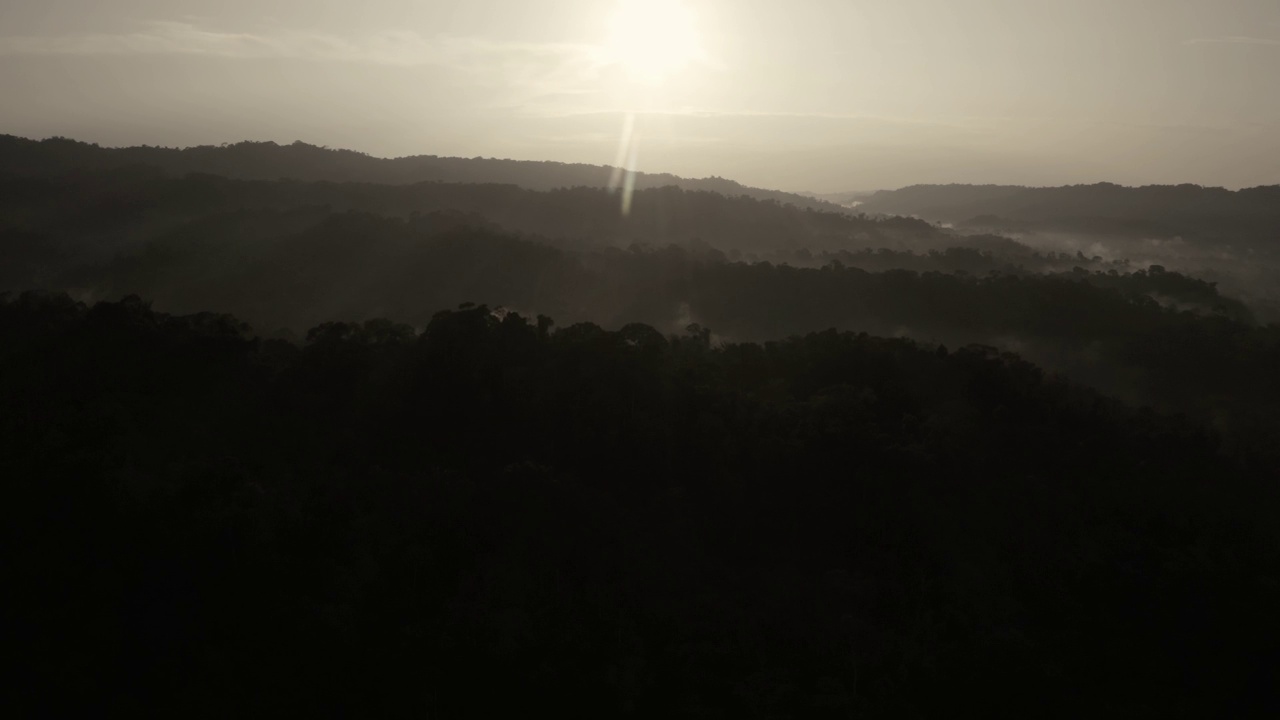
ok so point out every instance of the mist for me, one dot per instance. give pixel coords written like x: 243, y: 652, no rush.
x: 661, y: 358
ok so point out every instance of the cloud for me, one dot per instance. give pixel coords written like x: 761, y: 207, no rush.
x: 1232, y: 40
x: 513, y: 74
x: 392, y: 48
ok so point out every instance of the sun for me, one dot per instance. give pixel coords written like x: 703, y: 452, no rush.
x: 654, y: 39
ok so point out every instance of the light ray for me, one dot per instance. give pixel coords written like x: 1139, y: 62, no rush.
x: 629, y: 184
x: 623, y: 177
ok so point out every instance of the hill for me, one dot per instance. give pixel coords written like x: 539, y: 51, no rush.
x: 300, y: 161
x: 1204, y: 214
x: 100, y: 212
x: 775, y: 461
x: 383, y: 521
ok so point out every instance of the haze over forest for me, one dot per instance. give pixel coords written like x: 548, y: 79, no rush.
x: 640, y: 358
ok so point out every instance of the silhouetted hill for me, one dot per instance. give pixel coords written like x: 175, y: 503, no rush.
x: 300, y: 161
x: 746, y: 477
x: 1206, y: 214
x: 291, y: 254
x: 118, y: 207
x: 846, y: 199
x: 1148, y: 336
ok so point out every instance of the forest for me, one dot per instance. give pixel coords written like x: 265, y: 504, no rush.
x: 300, y: 161
x: 1223, y: 236
x: 1211, y: 213
x: 296, y: 430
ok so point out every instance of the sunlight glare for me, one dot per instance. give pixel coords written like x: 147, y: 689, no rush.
x: 654, y: 39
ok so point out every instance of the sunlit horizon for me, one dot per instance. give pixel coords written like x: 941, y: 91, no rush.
x: 654, y: 39
x: 820, y: 95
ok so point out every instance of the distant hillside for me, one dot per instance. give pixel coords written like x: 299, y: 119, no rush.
x: 113, y: 209
x: 845, y: 199
x: 938, y: 201
x: 1190, y: 211
x: 300, y: 161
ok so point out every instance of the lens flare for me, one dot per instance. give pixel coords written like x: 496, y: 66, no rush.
x: 652, y: 41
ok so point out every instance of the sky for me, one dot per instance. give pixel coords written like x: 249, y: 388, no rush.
x: 816, y: 95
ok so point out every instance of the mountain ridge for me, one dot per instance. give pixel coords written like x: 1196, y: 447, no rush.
x: 268, y: 160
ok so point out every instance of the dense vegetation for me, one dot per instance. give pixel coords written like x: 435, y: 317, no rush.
x: 743, y: 477
x: 119, y: 209
x: 495, y: 514
x: 1149, y: 336
x: 1242, y: 217
x: 300, y: 161
x: 1229, y: 237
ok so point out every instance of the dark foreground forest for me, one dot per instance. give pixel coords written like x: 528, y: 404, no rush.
x: 498, y: 514
x: 717, y: 457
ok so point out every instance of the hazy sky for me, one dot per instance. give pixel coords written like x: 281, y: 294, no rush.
x: 824, y: 95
